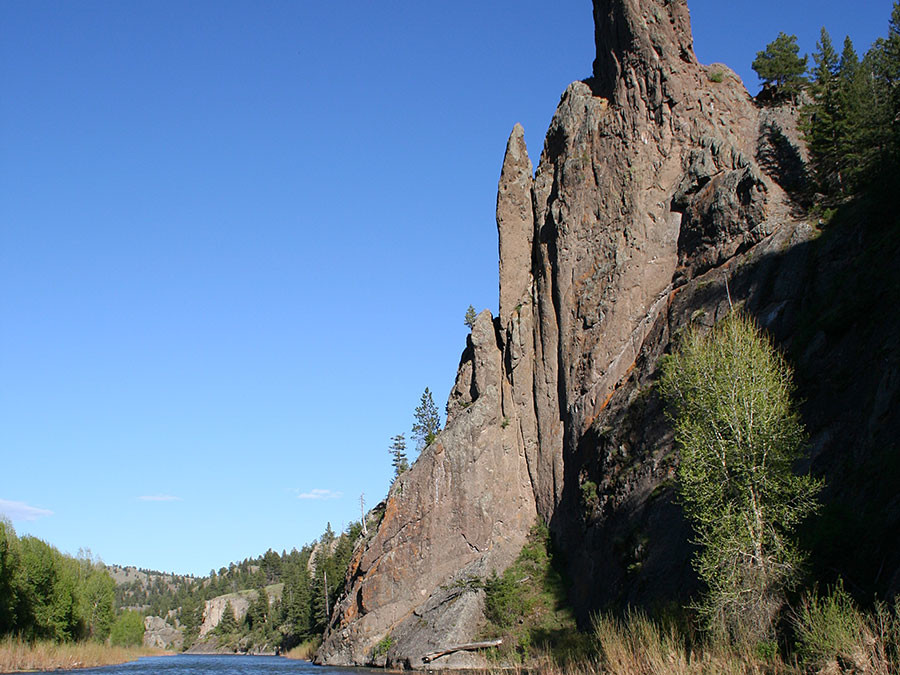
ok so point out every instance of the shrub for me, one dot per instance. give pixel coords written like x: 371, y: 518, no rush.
x: 381, y: 649
x: 833, y: 632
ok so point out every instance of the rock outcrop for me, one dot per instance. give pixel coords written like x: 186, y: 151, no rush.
x: 160, y: 634
x: 462, y: 511
x: 663, y: 195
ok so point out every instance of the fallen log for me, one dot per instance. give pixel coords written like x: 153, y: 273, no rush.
x: 468, y: 647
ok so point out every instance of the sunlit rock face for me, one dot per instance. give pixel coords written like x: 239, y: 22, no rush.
x: 662, y: 198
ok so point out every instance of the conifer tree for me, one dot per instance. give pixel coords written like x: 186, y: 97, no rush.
x: 470, y: 317
x: 228, y: 622
x: 821, y: 119
x: 428, y: 421
x: 780, y: 65
x: 398, y: 453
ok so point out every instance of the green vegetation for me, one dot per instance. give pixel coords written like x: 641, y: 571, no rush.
x: 128, y: 630
x: 383, y: 646
x: 526, y: 605
x: 739, y: 435
x: 850, y: 120
x: 832, y: 631
x: 47, y: 595
x: 779, y: 66
x: 469, y: 319
x: 398, y: 455
x: 428, y: 421
x: 286, y: 592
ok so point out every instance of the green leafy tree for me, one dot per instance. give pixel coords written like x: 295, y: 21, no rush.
x: 780, y: 66
x: 128, y: 630
x: 428, y: 421
x: 398, y: 454
x: 97, y: 594
x: 9, y: 569
x: 47, y: 603
x: 469, y: 319
x: 739, y: 435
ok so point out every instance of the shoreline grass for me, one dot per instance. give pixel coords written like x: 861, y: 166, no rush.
x: 304, y: 651
x: 18, y: 655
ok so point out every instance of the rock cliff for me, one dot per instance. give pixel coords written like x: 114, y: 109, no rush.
x: 663, y: 194
x: 160, y: 634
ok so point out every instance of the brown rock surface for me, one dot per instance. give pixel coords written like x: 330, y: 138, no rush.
x: 461, y: 511
x: 662, y: 195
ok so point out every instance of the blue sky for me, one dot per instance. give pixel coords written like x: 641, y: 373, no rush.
x: 237, y: 240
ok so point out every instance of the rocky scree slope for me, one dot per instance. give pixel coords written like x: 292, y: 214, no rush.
x: 660, y: 192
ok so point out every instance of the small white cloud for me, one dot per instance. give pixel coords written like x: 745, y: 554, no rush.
x: 320, y: 494
x: 22, y: 511
x: 159, y: 498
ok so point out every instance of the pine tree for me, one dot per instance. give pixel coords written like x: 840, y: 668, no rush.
x: 228, y: 623
x: 398, y: 452
x: 821, y: 118
x: 853, y: 123
x: 428, y: 421
x: 780, y: 66
x: 470, y: 317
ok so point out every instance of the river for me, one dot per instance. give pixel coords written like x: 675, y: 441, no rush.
x: 203, y: 664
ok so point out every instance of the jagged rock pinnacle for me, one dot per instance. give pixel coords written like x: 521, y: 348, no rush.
x: 515, y: 223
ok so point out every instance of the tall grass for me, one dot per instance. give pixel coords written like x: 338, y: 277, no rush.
x: 305, y: 650
x: 17, y: 654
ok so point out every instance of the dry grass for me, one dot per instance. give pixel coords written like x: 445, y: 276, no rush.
x: 641, y: 646
x: 304, y: 651
x: 19, y: 655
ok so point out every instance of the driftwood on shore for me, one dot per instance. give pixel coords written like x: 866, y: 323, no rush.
x: 468, y: 647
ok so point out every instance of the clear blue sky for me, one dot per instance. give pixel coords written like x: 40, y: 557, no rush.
x: 237, y: 240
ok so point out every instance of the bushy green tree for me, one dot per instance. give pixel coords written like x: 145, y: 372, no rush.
x: 739, y: 435
x: 46, y: 593
x: 128, y: 630
x: 428, y: 420
x: 781, y: 66
x: 9, y: 565
x: 96, y: 595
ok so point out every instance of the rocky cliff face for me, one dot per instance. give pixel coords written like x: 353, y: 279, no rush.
x: 660, y: 192
x: 160, y: 634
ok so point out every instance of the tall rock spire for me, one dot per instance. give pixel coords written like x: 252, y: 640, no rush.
x: 634, y: 37
x: 515, y: 224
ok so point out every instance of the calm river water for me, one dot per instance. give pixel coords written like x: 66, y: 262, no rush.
x: 203, y: 664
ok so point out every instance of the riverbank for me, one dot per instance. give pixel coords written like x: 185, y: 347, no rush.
x: 17, y: 655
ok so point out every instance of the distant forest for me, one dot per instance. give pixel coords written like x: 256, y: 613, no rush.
x: 297, y: 616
